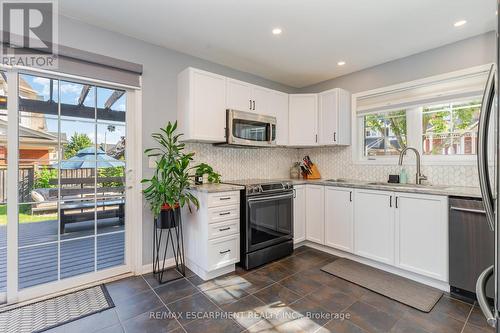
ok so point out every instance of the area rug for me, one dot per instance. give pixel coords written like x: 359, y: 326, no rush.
x: 409, y: 292
x: 46, y: 314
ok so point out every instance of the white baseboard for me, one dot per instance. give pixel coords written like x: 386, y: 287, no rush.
x: 148, y: 268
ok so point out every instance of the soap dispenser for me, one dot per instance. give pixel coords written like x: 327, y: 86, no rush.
x: 403, y: 176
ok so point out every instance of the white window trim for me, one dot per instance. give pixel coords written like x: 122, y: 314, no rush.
x: 413, y: 132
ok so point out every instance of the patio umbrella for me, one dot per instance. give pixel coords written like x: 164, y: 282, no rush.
x: 87, y: 158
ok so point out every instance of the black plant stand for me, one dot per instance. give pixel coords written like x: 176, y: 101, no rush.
x: 168, y: 235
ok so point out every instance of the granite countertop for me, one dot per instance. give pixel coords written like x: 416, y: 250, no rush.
x: 458, y: 191
x: 448, y: 190
x: 214, y: 187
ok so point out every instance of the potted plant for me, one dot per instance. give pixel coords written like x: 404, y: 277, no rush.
x: 203, y: 169
x: 167, y: 189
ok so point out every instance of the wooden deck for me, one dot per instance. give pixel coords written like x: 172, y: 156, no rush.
x: 38, y: 263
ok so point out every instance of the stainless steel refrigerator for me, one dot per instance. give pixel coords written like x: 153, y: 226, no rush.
x: 489, y: 175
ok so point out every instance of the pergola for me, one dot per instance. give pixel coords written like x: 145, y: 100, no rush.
x: 80, y: 110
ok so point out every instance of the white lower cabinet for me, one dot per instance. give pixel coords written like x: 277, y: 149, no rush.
x: 339, y: 218
x: 421, y: 225
x: 315, y: 213
x: 299, y: 214
x: 374, y: 225
x: 212, y: 234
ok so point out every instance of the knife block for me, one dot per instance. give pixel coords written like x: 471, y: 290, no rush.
x: 314, y: 173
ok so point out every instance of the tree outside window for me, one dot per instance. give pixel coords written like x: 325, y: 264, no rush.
x: 450, y: 129
x: 385, y: 133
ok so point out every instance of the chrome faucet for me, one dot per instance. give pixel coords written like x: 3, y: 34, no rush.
x: 419, y: 176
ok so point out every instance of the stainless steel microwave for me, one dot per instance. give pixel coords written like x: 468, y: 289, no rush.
x: 250, y: 129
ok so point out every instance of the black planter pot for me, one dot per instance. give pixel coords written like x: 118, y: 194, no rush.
x: 198, y: 180
x: 169, y: 218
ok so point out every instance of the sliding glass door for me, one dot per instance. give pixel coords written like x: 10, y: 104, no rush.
x: 71, y: 213
x: 65, y: 185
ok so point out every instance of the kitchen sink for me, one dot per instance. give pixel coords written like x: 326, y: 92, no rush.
x: 409, y: 185
x: 337, y: 180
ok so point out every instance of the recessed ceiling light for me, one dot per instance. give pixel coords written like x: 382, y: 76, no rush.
x: 460, y: 23
x: 277, y: 31
x: 341, y: 63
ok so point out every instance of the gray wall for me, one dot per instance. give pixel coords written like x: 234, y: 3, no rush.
x: 159, y: 89
x: 469, y: 52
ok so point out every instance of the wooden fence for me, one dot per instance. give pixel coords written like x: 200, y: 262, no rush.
x: 27, y: 180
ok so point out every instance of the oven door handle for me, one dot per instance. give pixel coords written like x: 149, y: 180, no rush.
x: 271, y: 197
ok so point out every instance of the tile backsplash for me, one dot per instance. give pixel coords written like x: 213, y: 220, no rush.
x: 333, y: 162
x: 336, y: 162
x: 245, y: 163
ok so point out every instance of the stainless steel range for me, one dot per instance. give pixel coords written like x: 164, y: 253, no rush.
x: 266, y: 221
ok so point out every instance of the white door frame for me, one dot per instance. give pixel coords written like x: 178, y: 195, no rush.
x: 133, y: 193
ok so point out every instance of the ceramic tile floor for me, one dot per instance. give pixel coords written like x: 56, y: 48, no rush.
x: 289, y: 295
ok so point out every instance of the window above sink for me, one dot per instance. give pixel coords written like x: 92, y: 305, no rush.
x: 437, y: 115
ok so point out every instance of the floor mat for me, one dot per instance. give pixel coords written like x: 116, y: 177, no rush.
x: 43, y: 315
x: 409, y: 292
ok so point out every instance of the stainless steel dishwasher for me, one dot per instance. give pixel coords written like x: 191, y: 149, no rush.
x: 471, y: 245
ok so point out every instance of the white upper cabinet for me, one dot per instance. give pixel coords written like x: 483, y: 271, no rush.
x: 201, y: 104
x: 239, y: 95
x: 421, y: 225
x: 244, y: 96
x: 303, y: 120
x: 278, y: 105
x: 339, y: 218
x: 334, y: 117
x: 261, y: 100
x: 315, y: 213
x: 374, y: 225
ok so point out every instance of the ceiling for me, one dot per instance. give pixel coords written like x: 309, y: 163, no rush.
x: 316, y: 33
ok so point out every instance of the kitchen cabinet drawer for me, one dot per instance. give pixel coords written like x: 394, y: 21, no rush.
x: 224, y: 228
x: 223, y: 213
x: 223, y: 199
x: 223, y: 251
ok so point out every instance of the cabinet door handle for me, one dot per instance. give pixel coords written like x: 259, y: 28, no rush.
x: 225, y: 213
x: 250, y: 104
x: 396, y: 202
x: 254, y: 105
x: 350, y: 196
x: 316, y: 138
x: 222, y: 252
x: 225, y: 198
x: 334, y: 136
x: 390, y: 201
x: 224, y: 229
